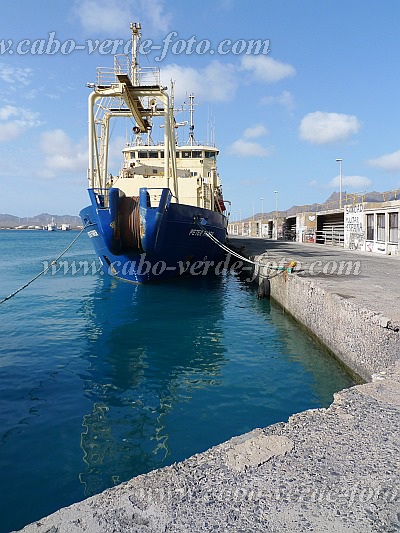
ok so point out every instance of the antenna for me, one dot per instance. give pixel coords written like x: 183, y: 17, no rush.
x: 135, y: 29
x: 191, y: 127
x: 172, y: 94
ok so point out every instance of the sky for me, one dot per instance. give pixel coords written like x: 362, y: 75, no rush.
x: 324, y: 84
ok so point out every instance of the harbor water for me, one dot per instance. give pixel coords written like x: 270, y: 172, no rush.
x: 102, y: 380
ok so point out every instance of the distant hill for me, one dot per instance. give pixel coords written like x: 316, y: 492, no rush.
x: 373, y: 196
x: 11, y: 221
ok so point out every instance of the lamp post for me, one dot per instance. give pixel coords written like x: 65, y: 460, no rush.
x: 340, y: 182
x: 262, y: 216
x: 276, y: 214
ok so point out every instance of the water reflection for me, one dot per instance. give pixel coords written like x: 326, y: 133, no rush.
x: 173, y: 369
x: 148, y: 349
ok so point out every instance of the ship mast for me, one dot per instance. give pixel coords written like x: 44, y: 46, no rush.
x: 135, y: 28
x: 191, y: 128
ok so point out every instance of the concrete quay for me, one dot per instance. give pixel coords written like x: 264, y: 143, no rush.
x: 324, y: 470
x: 348, y: 299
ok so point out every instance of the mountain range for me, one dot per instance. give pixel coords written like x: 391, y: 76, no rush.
x: 12, y: 221
x: 333, y: 203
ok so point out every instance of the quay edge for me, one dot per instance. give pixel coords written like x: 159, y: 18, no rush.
x: 352, y: 310
x: 334, y: 469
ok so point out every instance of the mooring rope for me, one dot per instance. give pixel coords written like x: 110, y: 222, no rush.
x: 47, y: 268
x: 225, y: 248
x: 243, y: 258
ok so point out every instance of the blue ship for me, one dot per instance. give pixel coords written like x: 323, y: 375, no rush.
x: 163, y: 215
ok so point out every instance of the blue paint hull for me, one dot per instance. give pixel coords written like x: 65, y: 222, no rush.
x: 168, y: 240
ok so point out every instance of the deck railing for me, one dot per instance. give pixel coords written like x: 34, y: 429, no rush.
x: 146, y: 76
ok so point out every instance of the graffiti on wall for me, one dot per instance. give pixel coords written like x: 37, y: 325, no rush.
x: 354, y: 232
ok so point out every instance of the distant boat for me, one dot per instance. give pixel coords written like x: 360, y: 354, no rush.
x: 52, y: 226
x: 164, y: 214
x: 65, y: 227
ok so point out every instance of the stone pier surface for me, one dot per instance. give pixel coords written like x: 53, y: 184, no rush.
x: 324, y: 470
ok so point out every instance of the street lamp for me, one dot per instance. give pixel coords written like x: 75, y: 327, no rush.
x: 262, y: 208
x: 276, y: 202
x: 276, y: 214
x: 340, y: 182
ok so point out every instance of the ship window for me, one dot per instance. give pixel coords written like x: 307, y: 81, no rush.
x: 162, y: 155
x: 210, y: 155
x: 132, y: 155
x: 142, y: 155
x: 186, y: 155
x: 178, y: 154
x: 153, y: 155
x: 197, y: 153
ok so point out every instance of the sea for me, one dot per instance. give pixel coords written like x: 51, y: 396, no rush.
x: 102, y: 380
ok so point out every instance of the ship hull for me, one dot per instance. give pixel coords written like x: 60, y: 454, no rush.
x: 174, y: 239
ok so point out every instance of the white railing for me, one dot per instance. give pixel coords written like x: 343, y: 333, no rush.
x: 122, y: 65
x: 331, y: 236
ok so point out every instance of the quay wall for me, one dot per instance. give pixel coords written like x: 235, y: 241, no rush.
x: 364, y: 340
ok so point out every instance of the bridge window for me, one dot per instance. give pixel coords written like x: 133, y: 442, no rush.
x: 143, y: 155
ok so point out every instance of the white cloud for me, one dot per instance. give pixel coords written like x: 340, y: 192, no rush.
x: 154, y: 11
x: 219, y: 81
x: 15, y: 121
x: 245, y: 148
x: 113, y: 16
x: 15, y: 74
x: 388, y: 162
x: 115, y: 158
x: 356, y: 183
x: 102, y: 15
x: 266, y: 68
x: 225, y: 4
x: 285, y: 99
x: 323, y: 128
x: 215, y: 83
x: 352, y: 182
x: 255, y: 131
x: 62, y: 154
